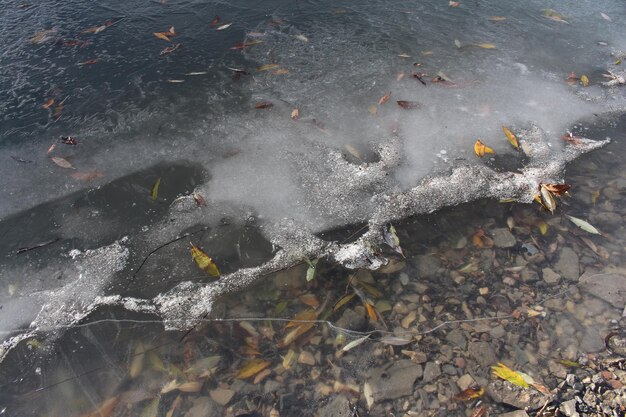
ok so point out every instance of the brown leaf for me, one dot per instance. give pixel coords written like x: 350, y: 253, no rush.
x: 310, y: 300
x: 371, y: 311
x: 263, y: 105
x: 215, y: 21
x: 343, y: 301
x: 252, y: 368
x: 63, y: 163
x: 469, y: 394
x: 170, y: 49
x: 558, y: 189
x: 105, y: 409
x: 408, y: 105
x: 89, y: 62
x: 572, y: 78
x: 372, y: 109
x: 511, y: 137
x: 163, y: 35
x: 384, y: 98
x: 419, y: 77
x: 479, y: 411
x: 47, y: 104
x: 200, y: 201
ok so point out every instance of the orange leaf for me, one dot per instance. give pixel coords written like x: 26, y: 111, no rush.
x: 558, y: 189
x: 469, y: 394
x: 302, y: 318
x: 48, y: 104
x: 481, y: 149
x: 371, y: 311
x: 252, y: 368
x: 384, y: 98
x: 163, y: 35
x: 310, y: 300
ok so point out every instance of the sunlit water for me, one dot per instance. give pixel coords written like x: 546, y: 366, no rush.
x: 139, y: 116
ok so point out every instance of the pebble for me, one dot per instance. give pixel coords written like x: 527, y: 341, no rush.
x: 483, y: 353
x: 567, y: 264
x: 431, y: 372
x: 306, y: 358
x: 549, y: 276
x: 502, y: 238
x: 392, y: 381
x: 222, y: 396
x: 408, y: 319
x: 204, y: 407
x: 457, y: 337
x: 465, y: 381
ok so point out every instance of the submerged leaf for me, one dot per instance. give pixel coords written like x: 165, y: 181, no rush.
x: 289, y: 359
x: 343, y: 301
x: 267, y: 67
x: 252, y: 368
x: 355, y: 343
x: 504, y: 372
x: 485, y: 45
x: 583, y: 225
x: 554, y: 15
x: 511, y: 137
x: 155, y: 189
x: 310, y: 272
x: 371, y: 311
x: 394, y: 340
x: 170, y: 49
x: 584, y: 80
x: 497, y: 18
x: 481, y: 149
x: 63, y: 163
x: 152, y: 408
x: 204, y: 261
x: 191, y: 386
x: 469, y: 394
x: 372, y: 109
x: 136, y: 365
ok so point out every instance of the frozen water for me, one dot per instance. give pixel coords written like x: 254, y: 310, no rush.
x: 346, y: 159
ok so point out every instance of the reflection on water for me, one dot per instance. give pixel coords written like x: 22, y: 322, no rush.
x: 482, y: 283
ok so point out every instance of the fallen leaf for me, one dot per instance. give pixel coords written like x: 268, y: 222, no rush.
x: 558, y: 189
x: 481, y: 149
x: 408, y: 105
x: 204, y: 261
x: 96, y: 29
x: 497, y: 18
x: 584, y: 80
x: 457, y: 43
x: 263, y: 105
x: 47, y: 104
x: 511, y: 137
x: 215, y: 21
x: 310, y: 300
x: 543, y: 227
x: 267, y: 67
x: 480, y: 239
x: 162, y: 35
x: 372, y: 109
x: 289, y: 359
x: 454, y: 3
x: 252, y: 368
x: 295, y: 113
x: 587, y: 227
x: 105, y: 409
x: 302, y: 38
x: 302, y: 318
x: 200, y: 201
x: 155, y: 189
x: 178, y: 399
x: 170, y: 49
x: 400, y: 76
x: 394, y: 340
x: 404, y: 56
x: 87, y: 175
x: 43, y: 36
x: 136, y: 365
x: 371, y: 311
x: 89, y: 62
x: 606, y: 17
x: 310, y: 272
x: 63, y: 163
x: 469, y: 394
x: 191, y: 386
x: 554, y: 15
x: 343, y: 301
x: 391, y: 238
x: 479, y: 411
x: 485, y: 45
x: 384, y: 98
x: 504, y: 372
x: 280, y: 71
x: 355, y: 343
x: 547, y: 199
x: 222, y: 27
x: 197, y: 73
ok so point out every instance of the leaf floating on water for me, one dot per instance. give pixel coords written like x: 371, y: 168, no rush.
x: 252, y: 368
x: 584, y: 80
x: 457, y: 43
x: 404, y: 56
x: 485, y: 45
x: 554, y: 15
x: 384, y: 99
x: 89, y: 62
x: 587, y: 227
x: 155, y: 189
x: 222, y: 27
x: 267, y: 67
x: 63, y: 163
x: 355, y: 343
x: 606, y: 17
x: 302, y: 38
x: 204, y: 261
x: 480, y: 149
x: 295, y: 114
x: 504, y: 372
x: 170, y: 49
x: 280, y: 71
x: 162, y: 35
x: 43, y: 36
x: 469, y: 394
x: 497, y: 18
x: 511, y: 137
x: 408, y: 105
x: 196, y: 73
x: 400, y: 76
x: 47, y: 104
x: 175, y: 81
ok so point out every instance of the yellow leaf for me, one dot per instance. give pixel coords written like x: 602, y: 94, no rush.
x: 584, y: 80
x: 295, y: 113
x: 155, y: 189
x: 481, y: 149
x: 280, y: 71
x: 267, y: 67
x: 136, y: 365
x: 485, y: 45
x: 504, y: 372
x: 372, y: 109
x: 252, y: 368
x: 162, y: 35
x: 343, y: 301
x: 289, y: 359
x: 511, y: 137
x: 204, y: 261
x: 371, y: 311
x: 543, y: 227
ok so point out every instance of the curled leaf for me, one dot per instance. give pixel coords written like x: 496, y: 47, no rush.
x: 47, y: 104
x: 170, y: 49
x: 391, y: 238
x: 481, y: 149
x: 384, y: 98
x: 511, y: 137
x: 504, y: 372
x: 469, y: 394
x: 204, y: 261
x: 547, y: 199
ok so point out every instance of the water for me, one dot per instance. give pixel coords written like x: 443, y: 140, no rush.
x: 271, y: 183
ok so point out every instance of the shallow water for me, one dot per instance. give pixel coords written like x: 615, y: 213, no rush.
x: 71, y: 236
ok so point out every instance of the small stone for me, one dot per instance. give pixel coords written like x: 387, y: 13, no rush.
x: 497, y: 332
x: 204, y: 407
x: 222, y: 396
x: 351, y: 320
x: 516, y: 413
x: 608, y: 287
x: 567, y: 264
x: 457, y: 337
x: 591, y: 341
x: 408, y: 319
x: 431, y: 372
x: 392, y: 381
x: 518, y: 397
x: 502, y: 238
x: 509, y: 281
x: 427, y: 265
x: 337, y: 407
x: 568, y: 408
x: 483, y: 353
x: 483, y: 290
x: 392, y: 266
x: 465, y: 381
x: 404, y: 278
x: 306, y: 358
x: 449, y: 369
x: 549, y: 276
